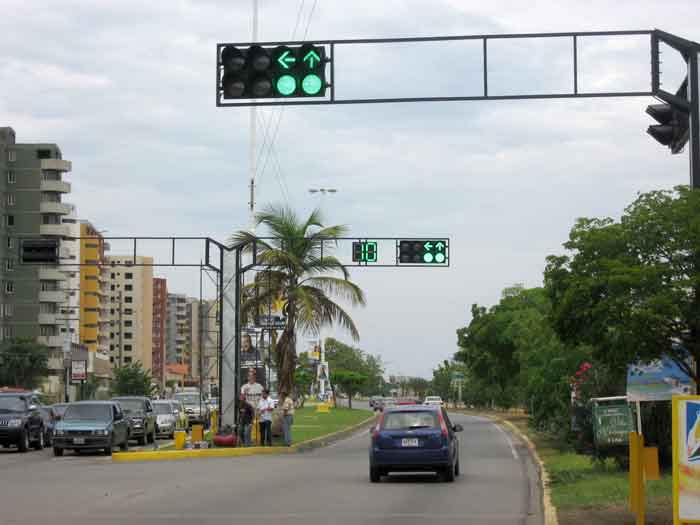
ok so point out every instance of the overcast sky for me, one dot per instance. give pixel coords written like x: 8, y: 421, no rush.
x: 126, y: 89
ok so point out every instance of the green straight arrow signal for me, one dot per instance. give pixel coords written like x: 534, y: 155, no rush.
x: 311, y: 56
x: 285, y: 60
x: 428, y: 246
x: 440, y: 246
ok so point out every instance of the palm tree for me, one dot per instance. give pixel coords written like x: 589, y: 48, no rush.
x: 299, y: 269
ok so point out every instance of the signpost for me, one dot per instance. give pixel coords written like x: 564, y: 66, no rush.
x: 612, y: 424
x: 78, y: 371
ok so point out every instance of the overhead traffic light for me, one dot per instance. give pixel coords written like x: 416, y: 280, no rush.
x: 272, y: 71
x: 673, y: 127
x: 424, y: 251
x: 39, y: 251
x: 365, y: 252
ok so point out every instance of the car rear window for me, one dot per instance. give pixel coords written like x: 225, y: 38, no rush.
x: 405, y: 420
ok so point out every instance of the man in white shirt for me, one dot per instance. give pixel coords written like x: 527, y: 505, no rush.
x: 252, y: 390
x: 265, y: 408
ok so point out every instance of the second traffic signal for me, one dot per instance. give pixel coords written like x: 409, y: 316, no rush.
x: 273, y: 72
x: 423, y: 251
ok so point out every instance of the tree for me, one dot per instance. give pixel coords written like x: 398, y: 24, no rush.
x: 631, y: 289
x: 301, y: 271
x: 23, y: 362
x: 349, y: 382
x: 132, y: 380
x: 303, y: 377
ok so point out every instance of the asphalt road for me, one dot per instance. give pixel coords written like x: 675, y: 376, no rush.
x: 329, y: 485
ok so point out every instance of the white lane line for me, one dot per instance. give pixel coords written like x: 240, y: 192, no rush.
x: 508, y: 440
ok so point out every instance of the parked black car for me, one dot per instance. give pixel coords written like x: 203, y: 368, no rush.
x: 21, y: 424
x: 139, y: 411
x: 92, y: 425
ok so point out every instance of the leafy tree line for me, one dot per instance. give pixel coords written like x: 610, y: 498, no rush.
x: 625, y: 290
x: 354, y: 371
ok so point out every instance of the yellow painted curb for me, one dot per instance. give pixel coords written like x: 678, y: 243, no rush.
x: 164, y: 455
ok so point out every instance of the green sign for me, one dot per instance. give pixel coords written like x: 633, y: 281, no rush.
x: 457, y: 376
x: 612, y: 424
x: 427, y: 251
x: 365, y: 251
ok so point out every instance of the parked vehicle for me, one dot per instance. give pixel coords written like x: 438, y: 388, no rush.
x: 166, y: 421
x: 21, y: 424
x: 139, y: 412
x: 433, y: 400
x: 196, y: 408
x: 414, y: 438
x: 92, y: 425
x: 59, y: 409
x: 375, y: 402
x: 49, y: 418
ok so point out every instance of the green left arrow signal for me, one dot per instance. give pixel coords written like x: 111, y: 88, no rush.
x: 428, y: 246
x: 310, y: 57
x: 285, y: 60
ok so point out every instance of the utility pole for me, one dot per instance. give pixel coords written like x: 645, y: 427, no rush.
x: 253, y: 130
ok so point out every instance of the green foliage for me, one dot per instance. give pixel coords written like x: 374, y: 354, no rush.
x: 303, y: 376
x: 132, y: 380
x: 303, y: 272
x: 630, y: 289
x: 345, y: 357
x: 348, y: 382
x: 23, y: 363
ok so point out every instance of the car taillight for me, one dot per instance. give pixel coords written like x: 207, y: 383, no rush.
x: 375, y: 433
x: 443, y: 426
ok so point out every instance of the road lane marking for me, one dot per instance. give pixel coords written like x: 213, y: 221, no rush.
x: 508, y: 440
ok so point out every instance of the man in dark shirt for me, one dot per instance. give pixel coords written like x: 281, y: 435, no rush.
x: 245, y: 419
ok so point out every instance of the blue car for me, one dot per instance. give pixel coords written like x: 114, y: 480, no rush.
x: 414, y: 438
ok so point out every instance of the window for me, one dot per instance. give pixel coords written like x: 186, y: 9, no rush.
x: 128, y: 287
x: 111, y: 311
x: 128, y: 299
x: 9, y: 265
x: 128, y: 311
x: 127, y: 348
x: 10, y: 243
x: 49, y: 286
x: 52, y: 175
x: 47, y: 308
x: 9, y: 220
x: 111, y: 348
x: 43, y: 154
x: 128, y: 323
x: 50, y: 219
x: 9, y: 310
x: 111, y: 335
x: 11, y: 156
x: 128, y: 335
x: 112, y: 276
x: 128, y: 276
x: 47, y: 330
x: 11, y: 177
x: 8, y: 331
x: 111, y: 359
x: 9, y: 287
x: 127, y: 360
x: 10, y: 199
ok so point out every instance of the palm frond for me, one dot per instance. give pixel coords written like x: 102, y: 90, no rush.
x: 342, y: 288
x: 326, y: 264
x: 317, y: 310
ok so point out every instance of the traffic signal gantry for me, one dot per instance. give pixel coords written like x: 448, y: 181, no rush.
x: 279, y: 71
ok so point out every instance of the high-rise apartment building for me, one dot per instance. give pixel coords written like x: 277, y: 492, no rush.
x: 160, y: 314
x: 31, y: 204
x: 130, y: 310
x: 182, y: 333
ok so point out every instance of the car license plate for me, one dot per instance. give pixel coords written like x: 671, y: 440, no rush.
x: 413, y: 442
x: 78, y: 441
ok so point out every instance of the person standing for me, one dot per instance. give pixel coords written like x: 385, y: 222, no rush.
x: 287, y: 418
x: 246, y: 416
x: 252, y: 390
x: 265, y: 408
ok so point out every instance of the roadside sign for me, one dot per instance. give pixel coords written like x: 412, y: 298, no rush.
x: 457, y: 376
x: 686, y: 459
x: 78, y: 371
x: 612, y: 424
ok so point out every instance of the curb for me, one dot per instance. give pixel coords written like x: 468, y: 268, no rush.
x: 165, y: 455
x: 321, y: 441
x: 550, y: 511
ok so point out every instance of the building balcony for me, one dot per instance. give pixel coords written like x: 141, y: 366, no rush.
x: 57, y: 186
x: 55, y: 207
x: 57, y: 296
x: 54, y: 341
x: 57, y: 230
x: 51, y: 274
x: 48, y: 319
x: 56, y: 164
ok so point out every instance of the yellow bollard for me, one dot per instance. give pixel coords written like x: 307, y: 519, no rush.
x: 214, y: 423
x: 636, y: 480
x: 180, y: 439
x: 197, y: 433
x: 255, y: 431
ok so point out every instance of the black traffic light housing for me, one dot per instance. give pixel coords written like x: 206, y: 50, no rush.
x: 673, y: 127
x: 272, y: 71
x: 424, y: 251
x: 39, y: 251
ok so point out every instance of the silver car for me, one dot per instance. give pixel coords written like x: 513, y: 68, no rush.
x: 166, y: 421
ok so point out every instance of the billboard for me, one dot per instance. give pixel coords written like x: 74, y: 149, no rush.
x: 78, y: 371
x: 658, y: 380
x: 686, y: 459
